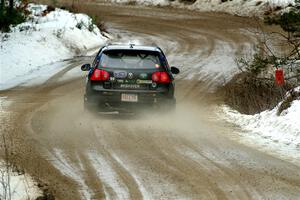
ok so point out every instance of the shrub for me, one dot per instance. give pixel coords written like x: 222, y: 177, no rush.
x: 8, y: 18
x: 249, y: 94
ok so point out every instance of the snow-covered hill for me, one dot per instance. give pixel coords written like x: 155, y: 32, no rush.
x: 44, y: 39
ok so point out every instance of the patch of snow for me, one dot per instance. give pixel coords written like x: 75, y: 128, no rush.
x: 42, y: 40
x: 36, y: 76
x: 60, y: 160
x: 73, y: 73
x: 108, y: 177
x: 280, y: 133
x: 151, y: 185
x: 284, y: 128
x: 217, y: 68
x: 17, y: 187
x: 220, y: 66
x: 144, y: 192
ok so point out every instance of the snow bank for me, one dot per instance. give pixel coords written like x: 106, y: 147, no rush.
x: 236, y: 7
x: 43, y: 40
x: 282, y: 130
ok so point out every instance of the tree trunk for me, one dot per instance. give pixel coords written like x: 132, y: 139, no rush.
x: 11, y: 6
x: 2, y: 6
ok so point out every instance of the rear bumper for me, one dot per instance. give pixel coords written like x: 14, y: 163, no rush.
x: 113, y: 97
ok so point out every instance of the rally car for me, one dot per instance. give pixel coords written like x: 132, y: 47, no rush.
x: 129, y: 76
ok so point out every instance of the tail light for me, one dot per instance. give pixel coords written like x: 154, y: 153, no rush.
x: 99, y: 75
x: 161, y: 77
x: 156, y: 76
x: 164, y: 77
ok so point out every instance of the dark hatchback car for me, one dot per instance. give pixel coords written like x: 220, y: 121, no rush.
x: 129, y: 76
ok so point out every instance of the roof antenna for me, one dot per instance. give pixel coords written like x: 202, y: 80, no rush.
x: 131, y: 45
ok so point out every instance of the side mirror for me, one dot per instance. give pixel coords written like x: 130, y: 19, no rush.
x: 175, y: 70
x: 86, y: 67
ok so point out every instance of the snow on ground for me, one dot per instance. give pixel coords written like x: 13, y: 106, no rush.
x: 279, y: 133
x: 151, y: 185
x: 33, y: 45
x: 236, y: 7
x: 17, y: 187
x: 73, y: 170
x: 109, y: 177
x: 146, y: 195
x: 36, y: 76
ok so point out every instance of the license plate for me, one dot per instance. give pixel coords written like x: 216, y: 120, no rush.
x: 129, y: 97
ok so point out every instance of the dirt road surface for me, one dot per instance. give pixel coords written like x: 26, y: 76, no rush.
x: 188, y: 154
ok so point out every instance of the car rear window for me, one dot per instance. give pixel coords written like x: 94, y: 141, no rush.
x: 130, y: 59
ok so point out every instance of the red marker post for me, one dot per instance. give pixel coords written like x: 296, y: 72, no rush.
x: 279, y: 76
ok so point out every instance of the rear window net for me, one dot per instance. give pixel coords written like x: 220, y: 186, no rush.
x: 130, y: 59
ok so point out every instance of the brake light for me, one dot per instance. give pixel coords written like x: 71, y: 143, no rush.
x: 99, y: 75
x: 156, y: 76
x: 164, y: 77
x: 104, y: 75
x: 161, y: 77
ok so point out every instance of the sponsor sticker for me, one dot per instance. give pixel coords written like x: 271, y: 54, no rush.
x: 129, y: 81
x: 130, y: 75
x: 143, y: 81
x: 143, y: 76
x: 120, y: 74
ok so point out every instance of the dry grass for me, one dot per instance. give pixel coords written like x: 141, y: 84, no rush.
x: 249, y: 94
